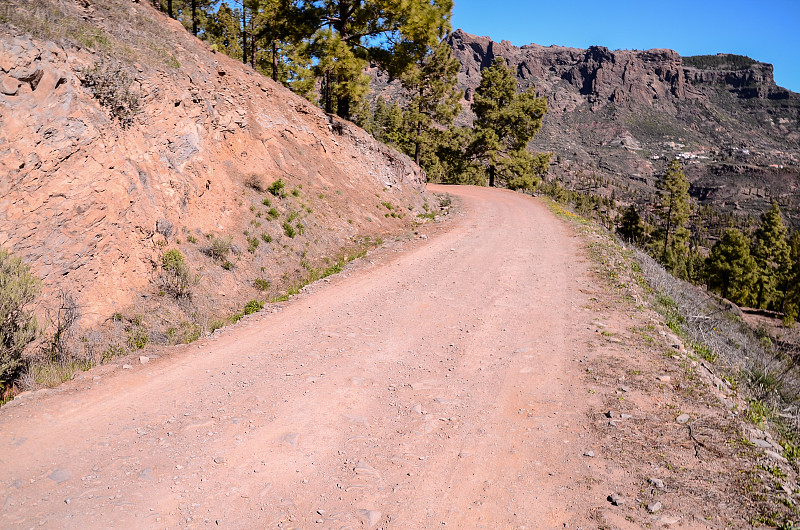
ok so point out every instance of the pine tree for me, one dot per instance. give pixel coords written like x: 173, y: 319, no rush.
x: 390, y: 34
x: 224, y: 32
x: 505, y: 122
x: 673, y: 209
x: 730, y: 269
x: 193, y: 14
x: 453, y: 162
x: 434, y: 98
x: 791, y: 304
x: 630, y: 226
x: 771, y: 252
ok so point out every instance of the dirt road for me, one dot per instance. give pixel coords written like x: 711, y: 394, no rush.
x: 438, y: 385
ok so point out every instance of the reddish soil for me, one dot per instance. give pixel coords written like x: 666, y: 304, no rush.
x: 441, y: 381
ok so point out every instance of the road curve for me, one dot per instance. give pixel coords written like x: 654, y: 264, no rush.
x: 437, y: 385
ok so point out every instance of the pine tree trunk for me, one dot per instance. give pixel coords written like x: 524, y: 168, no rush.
x: 252, y: 46
x: 328, y: 93
x: 275, y: 61
x: 491, y: 176
x: 194, y: 17
x: 169, y: 9
x: 667, y: 231
x: 244, y: 35
x: 418, y: 143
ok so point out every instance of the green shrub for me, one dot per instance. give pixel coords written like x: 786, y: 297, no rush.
x: 273, y: 213
x: 289, y: 230
x: 176, y: 277
x: 276, y: 188
x: 137, y: 338
x: 266, y: 202
x: 266, y: 237
x: 252, y: 244
x: 253, y: 306
x: 18, y: 326
x: 261, y: 284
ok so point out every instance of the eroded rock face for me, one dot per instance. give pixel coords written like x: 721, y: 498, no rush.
x: 622, y: 114
x: 86, y: 201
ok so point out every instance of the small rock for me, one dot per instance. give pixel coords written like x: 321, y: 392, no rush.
x: 664, y: 378
x: 625, y: 388
x: 126, y: 367
x: 625, y: 416
x: 219, y: 460
x: 615, y: 499
x: 417, y: 408
x: 610, y: 414
x: 9, y: 86
x: 60, y: 475
x: 683, y: 418
x: 143, y: 359
x: 762, y: 443
x: 654, y: 507
x: 656, y: 483
x: 775, y: 456
x: 371, y: 517
x: 590, y: 454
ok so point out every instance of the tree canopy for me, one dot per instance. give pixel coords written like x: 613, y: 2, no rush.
x: 505, y: 121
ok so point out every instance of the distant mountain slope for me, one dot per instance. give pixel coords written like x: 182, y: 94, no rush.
x: 622, y: 114
x: 121, y: 136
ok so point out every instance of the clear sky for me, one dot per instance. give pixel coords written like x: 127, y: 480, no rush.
x: 766, y: 30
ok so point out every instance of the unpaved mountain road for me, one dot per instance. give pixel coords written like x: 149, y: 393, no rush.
x: 440, y: 384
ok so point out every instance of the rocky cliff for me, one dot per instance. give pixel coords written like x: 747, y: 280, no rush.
x: 619, y: 116
x: 122, y: 136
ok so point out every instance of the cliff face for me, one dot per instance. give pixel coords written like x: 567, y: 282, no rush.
x: 621, y: 115
x: 656, y: 78
x: 91, y: 194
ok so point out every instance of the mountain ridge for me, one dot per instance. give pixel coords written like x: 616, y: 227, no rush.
x: 621, y: 115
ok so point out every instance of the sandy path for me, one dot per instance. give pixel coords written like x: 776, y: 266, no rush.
x: 437, y: 386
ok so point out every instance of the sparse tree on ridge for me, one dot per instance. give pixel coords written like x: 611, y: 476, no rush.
x: 673, y: 209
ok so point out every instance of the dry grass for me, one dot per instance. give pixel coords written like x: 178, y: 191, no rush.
x: 740, y: 353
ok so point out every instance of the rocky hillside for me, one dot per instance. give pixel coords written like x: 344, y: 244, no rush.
x: 616, y: 117
x: 122, y: 136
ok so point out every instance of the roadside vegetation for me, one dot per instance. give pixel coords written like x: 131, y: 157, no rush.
x: 742, y: 361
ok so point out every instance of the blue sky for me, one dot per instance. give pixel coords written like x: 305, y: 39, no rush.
x: 766, y: 30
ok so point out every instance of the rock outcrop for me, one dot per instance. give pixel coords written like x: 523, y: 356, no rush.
x: 91, y: 200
